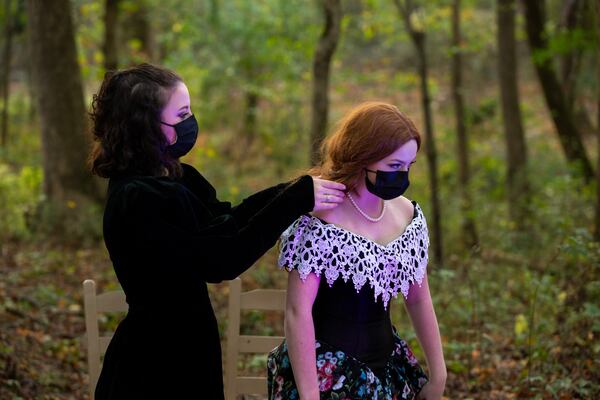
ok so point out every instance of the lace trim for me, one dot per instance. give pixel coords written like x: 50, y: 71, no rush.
x: 309, y: 245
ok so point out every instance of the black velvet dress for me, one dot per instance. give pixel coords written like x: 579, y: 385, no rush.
x: 167, y: 238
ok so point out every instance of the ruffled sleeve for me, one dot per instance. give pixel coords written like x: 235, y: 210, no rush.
x: 311, y: 246
x: 297, y: 248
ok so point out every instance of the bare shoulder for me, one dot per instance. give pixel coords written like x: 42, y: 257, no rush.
x: 325, y: 215
x: 403, y: 206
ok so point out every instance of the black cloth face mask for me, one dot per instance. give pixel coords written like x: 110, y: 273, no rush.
x: 187, y: 133
x: 388, y: 184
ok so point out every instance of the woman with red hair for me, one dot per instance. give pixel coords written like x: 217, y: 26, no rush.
x: 345, y: 266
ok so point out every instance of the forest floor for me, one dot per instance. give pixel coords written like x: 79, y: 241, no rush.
x: 42, y: 354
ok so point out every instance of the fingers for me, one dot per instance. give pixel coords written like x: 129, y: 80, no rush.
x: 333, y: 193
x: 333, y: 185
x: 327, y: 200
x: 328, y: 194
x: 331, y: 198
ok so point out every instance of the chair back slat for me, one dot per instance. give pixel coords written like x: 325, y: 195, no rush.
x: 104, y: 341
x: 258, y: 344
x: 258, y: 299
x: 111, y: 302
x: 254, y: 385
x: 94, y: 304
x: 263, y: 299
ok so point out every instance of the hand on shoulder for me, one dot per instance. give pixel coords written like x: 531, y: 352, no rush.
x: 327, y: 194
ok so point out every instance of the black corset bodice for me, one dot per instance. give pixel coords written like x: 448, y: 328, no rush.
x: 359, y: 277
x: 354, y: 323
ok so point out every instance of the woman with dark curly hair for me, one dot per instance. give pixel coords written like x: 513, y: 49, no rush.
x: 168, y: 235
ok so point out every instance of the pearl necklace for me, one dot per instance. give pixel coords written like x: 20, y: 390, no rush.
x: 365, y: 214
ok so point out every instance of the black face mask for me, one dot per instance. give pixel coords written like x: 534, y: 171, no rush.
x: 388, y: 184
x: 187, y: 133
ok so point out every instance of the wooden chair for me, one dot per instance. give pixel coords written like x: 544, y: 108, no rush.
x: 94, y: 304
x: 259, y: 299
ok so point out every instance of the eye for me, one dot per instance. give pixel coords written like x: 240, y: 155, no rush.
x: 184, y: 115
x: 395, y: 166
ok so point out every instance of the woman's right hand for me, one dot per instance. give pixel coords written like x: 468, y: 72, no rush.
x: 432, y: 391
x: 328, y: 194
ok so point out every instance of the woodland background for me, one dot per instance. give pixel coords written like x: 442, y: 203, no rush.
x: 505, y: 94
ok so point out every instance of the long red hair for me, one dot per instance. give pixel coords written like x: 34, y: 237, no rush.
x: 368, y: 133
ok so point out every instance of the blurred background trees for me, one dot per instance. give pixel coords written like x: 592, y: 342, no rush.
x: 504, y: 92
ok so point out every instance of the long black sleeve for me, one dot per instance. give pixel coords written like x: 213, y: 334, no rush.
x: 249, y: 206
x: 256, y: 202
x: 218, y: 249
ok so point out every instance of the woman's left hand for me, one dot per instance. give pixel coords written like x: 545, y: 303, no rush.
x: 431, y: 391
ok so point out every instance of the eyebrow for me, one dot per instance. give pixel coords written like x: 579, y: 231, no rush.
x: 183, y: 108
x: 402, y: 162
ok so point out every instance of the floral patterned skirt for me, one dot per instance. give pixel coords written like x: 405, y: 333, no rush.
x: 342, y: 376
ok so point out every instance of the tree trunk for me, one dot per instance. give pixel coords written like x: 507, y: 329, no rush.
x: 250, y: 116
x: 418, y: 39
x: 8, y: 34
x: 58, y: 93
x: 137, y: 25
x: 321, y: 69
x: 516, y: 149
x: 597, y: 233
x: 469, y: 231
x: 573, y: 18
x: 250, y: 72
x: 110, y: 46
x: 570, y: 62
x: 215, y: 17
x: 568, y: 132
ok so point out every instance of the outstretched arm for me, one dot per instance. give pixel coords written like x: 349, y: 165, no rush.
x: 327, y: 195
x: 221, y: 248
x: 254, y: 203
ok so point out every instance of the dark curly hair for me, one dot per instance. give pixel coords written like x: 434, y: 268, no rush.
x: 126, y: 123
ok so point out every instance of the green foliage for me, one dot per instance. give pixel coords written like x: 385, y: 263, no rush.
x: 482, y: 112
x: 74, y: 222
x: 20, y: 195
x: 87, y: 18
x: 225, y: 49
x: 26, y: 215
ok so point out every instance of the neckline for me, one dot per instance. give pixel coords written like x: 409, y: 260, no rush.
x: 416, y: 214
x: 118, y: 181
